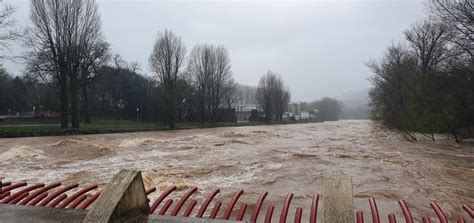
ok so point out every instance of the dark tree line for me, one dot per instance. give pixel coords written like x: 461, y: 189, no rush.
x: 15, y: 94
x: 329, y: 109
x: 114, y: 92
x: 325, y: 109
x: 71, y: 72
x: 426, y: 84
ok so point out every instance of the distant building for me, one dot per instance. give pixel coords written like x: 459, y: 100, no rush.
x: 243, y: 111
x: 287, y: 116
x: 304, y: 115
x: 295, y: 108
x: 296, y: 112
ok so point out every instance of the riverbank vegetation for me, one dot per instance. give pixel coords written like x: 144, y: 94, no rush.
x: 426, y: 84
x: 72, y: 73
x: 117, y: 126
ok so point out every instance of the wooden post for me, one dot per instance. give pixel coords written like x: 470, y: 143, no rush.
x: 123, y: 198
x: 338, y: 200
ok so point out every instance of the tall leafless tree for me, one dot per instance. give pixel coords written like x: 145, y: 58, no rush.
x: 210, y: 69
x: 459, y: 16
x: 264, y: 94
x: 230, y: 93
x: 201, y: 68
x: 98, y: 55
x: 392, y: 93
x: 8, y: 32
x: 221, y: 81
x: 245, y: 94
x: 429, y: 39
x: 273, y: 96
x: 60, y: 39
x: 282, y: 99
x: 166, y: 61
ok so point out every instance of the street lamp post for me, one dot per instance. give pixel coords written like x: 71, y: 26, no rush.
x: 137, y: 113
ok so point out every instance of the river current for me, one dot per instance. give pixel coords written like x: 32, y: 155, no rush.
x: 275, y: 158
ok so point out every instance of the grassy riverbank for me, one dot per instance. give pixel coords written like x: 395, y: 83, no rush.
x: 110, y: 126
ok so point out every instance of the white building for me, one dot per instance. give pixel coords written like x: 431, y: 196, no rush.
x: 243, y: 111
x: 304, y: 115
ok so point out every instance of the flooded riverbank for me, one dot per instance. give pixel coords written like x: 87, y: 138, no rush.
x: 277, y: 158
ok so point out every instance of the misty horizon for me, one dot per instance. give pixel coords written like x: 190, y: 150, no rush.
x: 319, y: 48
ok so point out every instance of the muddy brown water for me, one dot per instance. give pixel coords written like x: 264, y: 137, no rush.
x: 278, y: 159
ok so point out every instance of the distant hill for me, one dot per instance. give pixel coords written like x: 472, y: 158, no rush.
x: 355, y: 104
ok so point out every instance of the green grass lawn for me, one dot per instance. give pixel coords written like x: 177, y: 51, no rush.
x: 107, y: 126
x: 99, y: 126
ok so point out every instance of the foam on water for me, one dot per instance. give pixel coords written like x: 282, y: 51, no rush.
x: 21, y: 152
x: 276, y: 158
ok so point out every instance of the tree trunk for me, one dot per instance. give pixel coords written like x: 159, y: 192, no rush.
x: 75, y: 113
x: 85, y: 103
x: 172, y: 121
x: 268, y: 117
x: 216, y: 109
x: 64, y: 102
x: 172, y: 109
x: 202, y: 111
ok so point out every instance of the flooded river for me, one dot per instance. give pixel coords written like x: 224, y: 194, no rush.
x: 277, y: 158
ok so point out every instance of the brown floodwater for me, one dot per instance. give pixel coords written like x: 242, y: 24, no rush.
x: 277, y: 158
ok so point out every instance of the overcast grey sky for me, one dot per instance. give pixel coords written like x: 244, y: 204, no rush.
x: 319, y: 47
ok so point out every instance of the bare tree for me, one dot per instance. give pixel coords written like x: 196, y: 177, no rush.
x: 416, y: 88
x: 221, y: 80
x: 245, y: 94
x: 47, y: 55
x: 459, y: 16
x: 201, y: 68
x: 230, y: 93
x: 429, y: 39
x: 393, y: 88
x: 264, y: 94
x: 98, y: 55
x: 273, y: 96
x: 458, y: 81
x: 166, y: 60
x: 282, y: 98
x: 8, y: 32
x: 118, y: 62
x: 210, y: 69
x: 60, y: 38
x: 134, y: 66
